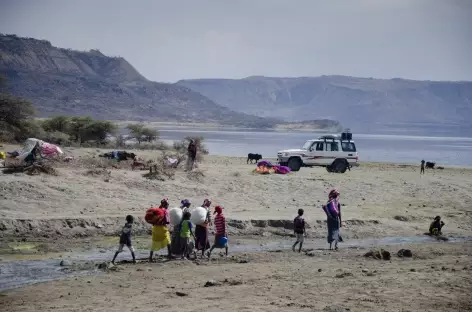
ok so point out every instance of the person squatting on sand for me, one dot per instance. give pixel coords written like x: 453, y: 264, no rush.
x: 202, y: 242
x: 160, y: 232
x: 220, y: 231
x: 333, y: 213
x: 186, y: 231
x: 125, y: 238
x: 299, y: 229
x: 436, y: 226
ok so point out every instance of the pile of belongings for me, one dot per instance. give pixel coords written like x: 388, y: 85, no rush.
x: 33, y: 148
x: 266, y: 167
x: 118, y: 155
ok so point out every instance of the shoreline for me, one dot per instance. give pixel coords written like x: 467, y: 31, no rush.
x: 217, y: 126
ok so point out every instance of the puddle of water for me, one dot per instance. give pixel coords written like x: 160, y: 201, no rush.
x: 23, y: 246
x: 16, y: 273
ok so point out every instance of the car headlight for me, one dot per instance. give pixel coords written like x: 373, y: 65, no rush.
x: 285, y: 154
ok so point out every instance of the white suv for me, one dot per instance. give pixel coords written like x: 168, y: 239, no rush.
x: 335, y: 152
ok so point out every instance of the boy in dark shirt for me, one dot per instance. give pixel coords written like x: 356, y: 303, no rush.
x: 436, y: 226
x: 299, y: 229
x: 422, y: 167
x: 125, y: 238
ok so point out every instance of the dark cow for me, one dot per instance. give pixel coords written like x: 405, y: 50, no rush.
x: 251, y: 157
x: 430, y: 165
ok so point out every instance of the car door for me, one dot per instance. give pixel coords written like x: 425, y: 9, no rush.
x: 315, y: 153
x: 331, y: 152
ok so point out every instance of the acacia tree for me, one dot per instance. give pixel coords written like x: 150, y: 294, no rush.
x: 142, y: 133
x: 15, y: 116
x: 150, y: 134
x: 136, y: 131
x: 58, y: 123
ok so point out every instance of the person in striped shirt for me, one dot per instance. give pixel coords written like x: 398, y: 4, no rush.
x: 220, y: 227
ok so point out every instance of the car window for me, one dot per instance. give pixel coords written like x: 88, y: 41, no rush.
x: 307, y: 145
x: 319, y: 146
x: 348, y: 146
x: 333, y: 147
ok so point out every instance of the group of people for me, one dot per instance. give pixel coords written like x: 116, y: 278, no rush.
x: 178, y: 241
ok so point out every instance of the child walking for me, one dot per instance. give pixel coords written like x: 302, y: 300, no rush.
x: 125, y: 238
x: 185, y: 233
x: 299, y: 229
x: 220, y: 227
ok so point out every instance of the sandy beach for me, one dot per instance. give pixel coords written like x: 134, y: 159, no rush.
x: 379, y: 200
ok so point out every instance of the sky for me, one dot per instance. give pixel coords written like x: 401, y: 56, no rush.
x: 187, y: 39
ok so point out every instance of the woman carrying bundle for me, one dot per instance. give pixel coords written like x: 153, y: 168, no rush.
x: 159, y: 218
x: 201, y: 230
x: 333, y: 212
x: 175, y: 244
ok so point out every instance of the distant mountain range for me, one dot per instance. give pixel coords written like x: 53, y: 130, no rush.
x: 361, y: 103
x: 62, y: 81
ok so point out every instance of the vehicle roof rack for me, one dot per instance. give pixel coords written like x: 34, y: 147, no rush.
x: 329, y: 137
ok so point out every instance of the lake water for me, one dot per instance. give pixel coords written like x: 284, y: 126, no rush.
x: 398, y: 148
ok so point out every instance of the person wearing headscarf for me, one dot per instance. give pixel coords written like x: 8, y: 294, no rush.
x: 176, y: 246
x: 160, y: 232
x: 185, y: 205
x: 333, y: 213
x: 201, y: 230
x: 220, y: 231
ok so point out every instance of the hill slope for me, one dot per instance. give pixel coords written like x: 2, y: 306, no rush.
x: 355, y: 102
x: 61, y: 81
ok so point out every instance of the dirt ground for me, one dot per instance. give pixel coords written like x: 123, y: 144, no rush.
x: 378, y: 199
x: 81, y: 205
x: 436, y: 278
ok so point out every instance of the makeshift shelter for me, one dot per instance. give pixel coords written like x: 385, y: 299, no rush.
x: 33, y: 148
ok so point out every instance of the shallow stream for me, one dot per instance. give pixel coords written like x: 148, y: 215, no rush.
x: 17, y: 273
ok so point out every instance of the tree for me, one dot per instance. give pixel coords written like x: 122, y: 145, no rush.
x: 15, y: 116
x: 98, y: 130
x: 142, y: 133
x: 58, y: 123
x: 78, y: 126
x: 136, y: 131
x: 150, y: 134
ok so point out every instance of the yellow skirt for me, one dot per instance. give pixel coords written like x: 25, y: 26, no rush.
x: 160, y: 237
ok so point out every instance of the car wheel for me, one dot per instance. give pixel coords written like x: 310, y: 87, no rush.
x: 329, y: 169
x: 340, y: 166
x: 294, y: 164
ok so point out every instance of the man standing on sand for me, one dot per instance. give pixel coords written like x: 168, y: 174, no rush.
x: 422, y: 167
x: 191, y: 155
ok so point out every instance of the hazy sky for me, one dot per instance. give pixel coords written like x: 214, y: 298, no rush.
x: 178, y: 39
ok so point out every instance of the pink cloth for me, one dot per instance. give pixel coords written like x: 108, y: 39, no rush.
x: 332, y: 207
